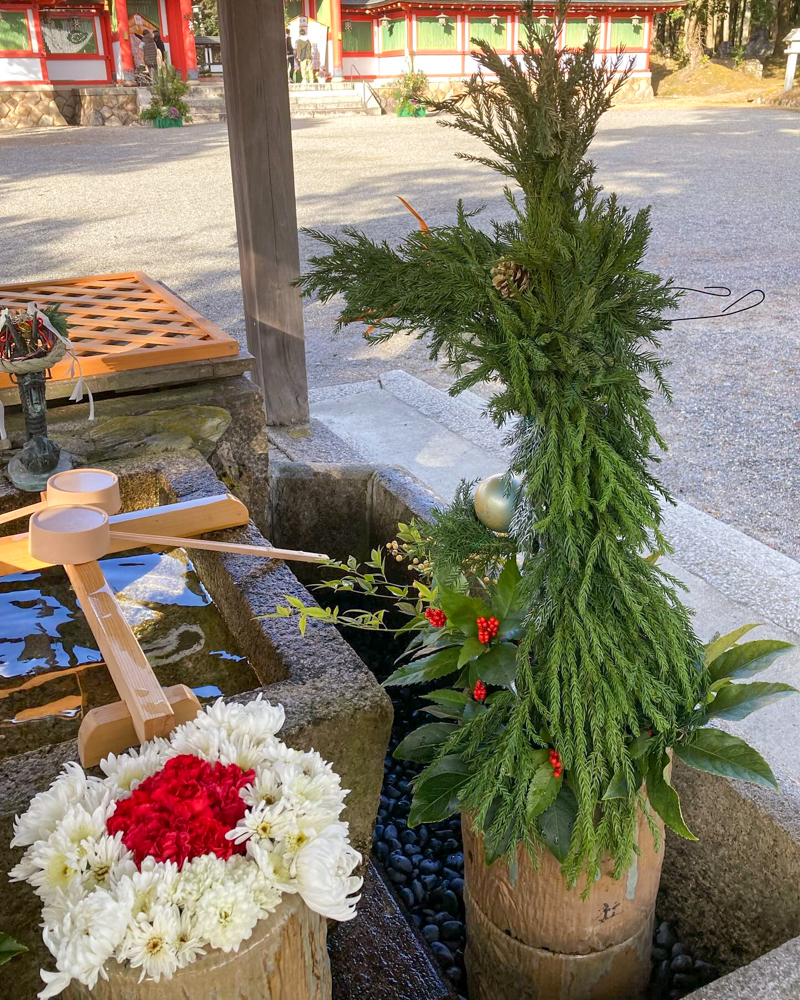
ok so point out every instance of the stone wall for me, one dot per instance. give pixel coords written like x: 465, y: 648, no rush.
x: 40, y: 107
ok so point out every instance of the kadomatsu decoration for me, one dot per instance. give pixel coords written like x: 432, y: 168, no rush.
x: 594, y: 658
x: 184, y: 846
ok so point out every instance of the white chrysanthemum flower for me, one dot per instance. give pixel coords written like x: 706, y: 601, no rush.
x: 154, y: 882
x: 126, y: 771
x: 188, y: 940
x: 318, y: 793
x: 47, y: 809
x: 196, y: 877
x: 226, y: 914
x: 258, y: 719
x: 242, y: 750
x: 272, y: 865
x: 83, y: 940
x: 266, y: 788
x: 293, y: 831
x: 151, y: 943
x: 190, y: 739
x: 106, y: 862
x: 49, y: 866
x: 257, y: 823
x: 323, y: 870
x: 80, y: 827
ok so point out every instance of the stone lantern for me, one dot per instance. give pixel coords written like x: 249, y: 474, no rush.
x: 792, y: 50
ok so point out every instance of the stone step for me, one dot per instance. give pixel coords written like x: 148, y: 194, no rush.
x: 331, y: 111
x: 202, y: 119
x: 206, y: 105
x: 320, y: 88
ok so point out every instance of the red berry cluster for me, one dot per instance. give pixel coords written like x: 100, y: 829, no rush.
x: 479, y: 694
x: 436, y: 617
x: 558, y: 767
x: 487, y: 629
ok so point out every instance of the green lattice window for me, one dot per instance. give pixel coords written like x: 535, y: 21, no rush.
x: 393, y: 35
x: 577, y: 32
x: 542, y: 24
x: 357, y: 37
x: 68, y: 35
x: 14, y: 36
x: 623, y: 32
x: 432, y: 35
x: 482, y: 28
x: 292, y: 9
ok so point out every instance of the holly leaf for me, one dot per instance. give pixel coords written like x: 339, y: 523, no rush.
x: 663, y: 797
x: 542, y: 790
x: 504, y: 592
x: 447, y: 698
x: 719, y: 644
x: 463, y: 611
x: 427, y: 668
x: 497, y: 667
x: 737, y: 701
x: 638, y: 745
x: 747, y: 659
x: 9, y: 948
x: 557, y: 822
x: 720, y: 753
x: 436, y: 795
x: 472, y: 647
x: 423, y: 743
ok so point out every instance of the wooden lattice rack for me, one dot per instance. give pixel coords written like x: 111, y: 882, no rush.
x: 122, y: 321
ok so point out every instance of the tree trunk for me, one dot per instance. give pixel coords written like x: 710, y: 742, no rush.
x: 692, y: 41
x: 746, y: 15
x: 782, y: 24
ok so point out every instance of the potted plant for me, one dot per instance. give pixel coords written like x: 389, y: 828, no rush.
x: 196, y: 863
x: 167, y: 109
x: 409, y: 92
x: 567, y: 669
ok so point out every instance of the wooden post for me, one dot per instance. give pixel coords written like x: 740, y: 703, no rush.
x: 187, y: 41
x: 125, y: 50
x: 259, y: 129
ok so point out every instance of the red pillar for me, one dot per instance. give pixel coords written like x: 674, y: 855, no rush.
x: 336, y: 37
x: 187, y: 40
x: 125, y: 52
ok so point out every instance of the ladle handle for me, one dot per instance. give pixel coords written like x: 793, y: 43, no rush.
x: 264, y: 551
x: 12, y: 515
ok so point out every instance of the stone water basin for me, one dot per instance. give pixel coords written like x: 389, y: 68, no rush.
x: 51, y: 671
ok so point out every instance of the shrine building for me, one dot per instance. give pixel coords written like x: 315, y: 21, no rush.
x: 61, y: 42
x: 378, y: 41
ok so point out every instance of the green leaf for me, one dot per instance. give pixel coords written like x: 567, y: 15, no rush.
x: 423, y: 743
x: 505, y: 589
x: 723, y: 642
x: 463, y: 611
x: 510, y: 628
x: 748, y: 659
x: 720, y: 753
x: 618, y: 787
x: 663, y: 797
x: 436, y: 795
x: 473, y: 710
x: 428, y: 668
x: 498, y: 666
x: 472, y: 647
x: 448, y: 698
x: 542, y: 790
x: 638, y: 745
x: 557, y: 821
x: 9, y: 948
x: 737, y: 701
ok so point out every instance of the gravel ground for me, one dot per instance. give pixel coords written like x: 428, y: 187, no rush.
x: 725, y: 211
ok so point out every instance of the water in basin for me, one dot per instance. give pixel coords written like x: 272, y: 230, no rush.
x: 50, y: 666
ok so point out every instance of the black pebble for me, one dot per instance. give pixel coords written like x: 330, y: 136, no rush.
x: 678, y: 949
x: 390, y: 832
x: 448, y: 873
x: 450, y: 902
x: 419, y: 892
x: 451, y: 845
x: 453, y: 974
x: 681, y: 963
x: 410, y: 850
x: 394, y: 843
x: 443, y: 954
x: 401, y: 863
x: 658, y: 954
x: 455, y: 860
x: 665, y: 936
x: 457, y: 885
x: 408, y: 837
x: 382, y: 850
x: 430, y: 867
x: 377, y: 833
x: 429, y: 881
x: 452, y: 929
x: 431, y: 933
x: 407, y: 896
x: 397, y: 877
x: 662, y: 972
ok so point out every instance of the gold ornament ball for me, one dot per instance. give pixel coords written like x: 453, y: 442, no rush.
x: 495, y: 499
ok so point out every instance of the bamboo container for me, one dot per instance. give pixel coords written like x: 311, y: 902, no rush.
x: 536, y: 940
x: 285, y: 959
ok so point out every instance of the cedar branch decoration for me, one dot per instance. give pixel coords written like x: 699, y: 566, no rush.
x: 608, y: 669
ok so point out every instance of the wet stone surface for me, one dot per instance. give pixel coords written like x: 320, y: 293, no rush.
x: 425, y: 866
x: 50, y: 667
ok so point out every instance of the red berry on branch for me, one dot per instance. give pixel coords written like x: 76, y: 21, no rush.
x: 436, y: 617
x: 479, y: 694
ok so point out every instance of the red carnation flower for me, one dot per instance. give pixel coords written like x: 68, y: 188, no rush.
x: 183, y: 811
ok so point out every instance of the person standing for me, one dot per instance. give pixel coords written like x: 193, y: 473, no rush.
x: 150, y: 51
x: 162, y: 48
x: 303, y: 54
x: 289, y: 54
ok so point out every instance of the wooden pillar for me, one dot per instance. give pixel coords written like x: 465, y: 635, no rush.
x: 336, y: 38
x: 125, y: 51
x: 259, y: 129
x: 187, y: 41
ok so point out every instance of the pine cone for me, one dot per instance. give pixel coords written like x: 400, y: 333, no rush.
x: 509, y: 278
